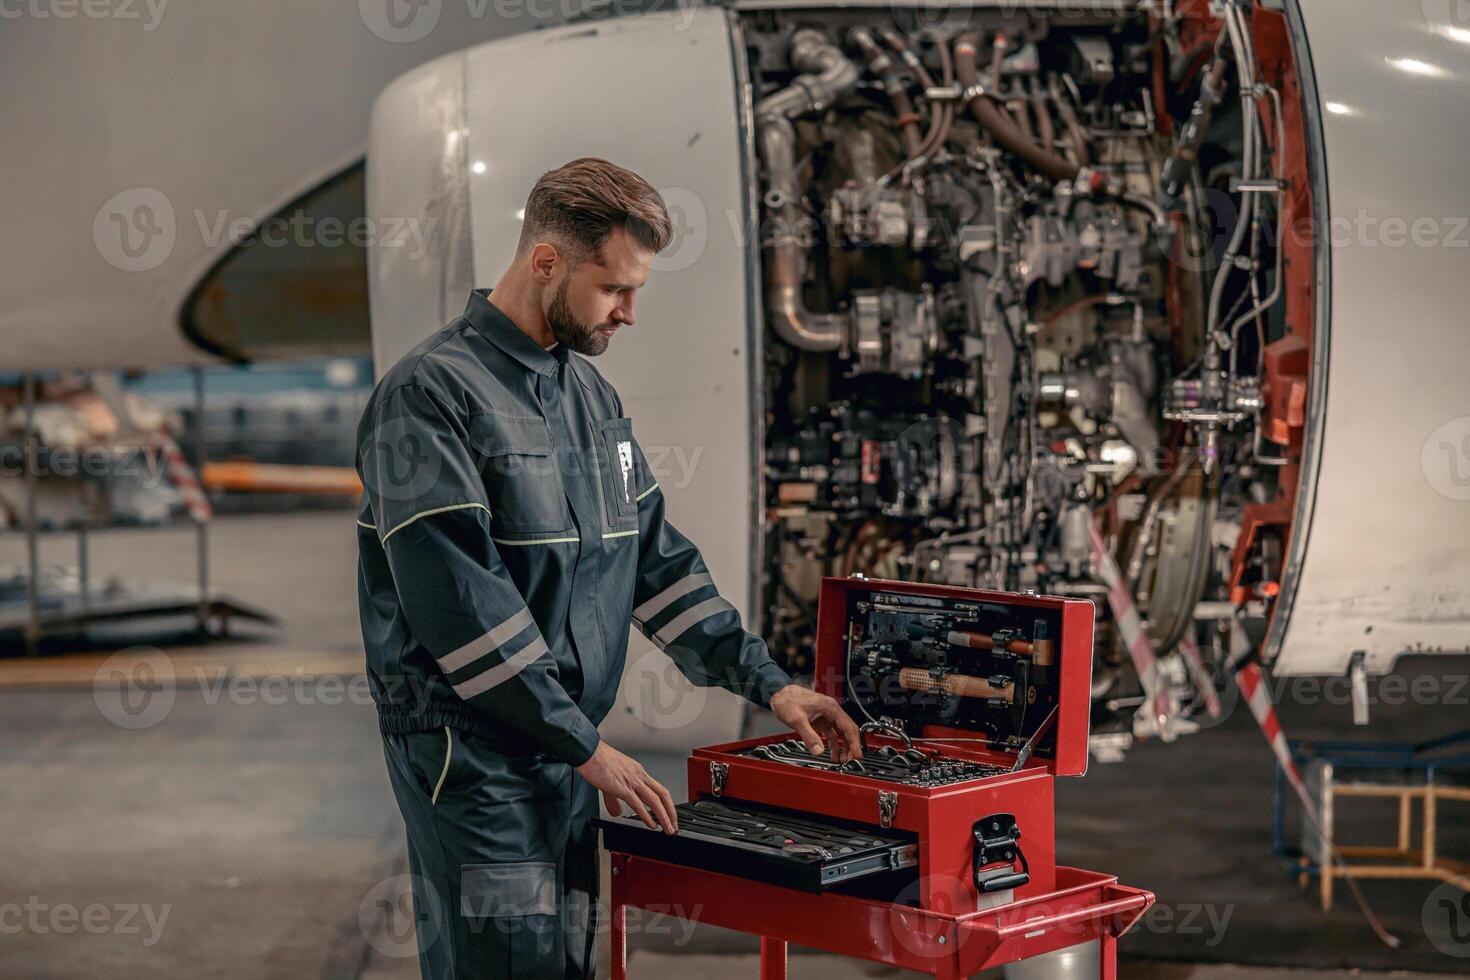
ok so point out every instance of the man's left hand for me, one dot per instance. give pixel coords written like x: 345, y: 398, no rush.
x: 816, y: 717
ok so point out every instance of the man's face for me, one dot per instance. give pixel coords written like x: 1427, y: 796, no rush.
x: 595, y: 297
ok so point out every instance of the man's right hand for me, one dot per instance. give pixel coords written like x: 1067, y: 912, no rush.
x: 622, y: 780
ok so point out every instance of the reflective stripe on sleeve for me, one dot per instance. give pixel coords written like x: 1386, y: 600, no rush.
x: 668, y: 596
x: 477, y: 648
x: 430, y: 513
x: 690, y: 617
x: 646, y: 492
x: 502, y: 672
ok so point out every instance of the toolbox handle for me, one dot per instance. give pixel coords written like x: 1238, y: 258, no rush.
x: 1135, y: 899
x: 998, y: 842
x: 1005, y: 882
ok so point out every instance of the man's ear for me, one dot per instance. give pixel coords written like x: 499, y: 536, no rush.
x: 545, y: 261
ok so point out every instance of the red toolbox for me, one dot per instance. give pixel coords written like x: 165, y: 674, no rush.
x: 971, y: 703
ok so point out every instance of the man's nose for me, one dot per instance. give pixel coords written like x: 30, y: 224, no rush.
x: 624, y: 312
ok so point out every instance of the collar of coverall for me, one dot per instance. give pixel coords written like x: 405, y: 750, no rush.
x: 501, y: 331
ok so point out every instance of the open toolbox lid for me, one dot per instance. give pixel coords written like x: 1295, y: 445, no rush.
x: 957, y: 665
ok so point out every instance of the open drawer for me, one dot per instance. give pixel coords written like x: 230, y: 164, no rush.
x: 766, y: 844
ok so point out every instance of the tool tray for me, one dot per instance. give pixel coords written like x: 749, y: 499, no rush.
x: 769, y: 844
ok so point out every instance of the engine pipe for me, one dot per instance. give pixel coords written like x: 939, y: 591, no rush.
x: 994, y: 120
x: 903, y: 107
x: 827, y: 74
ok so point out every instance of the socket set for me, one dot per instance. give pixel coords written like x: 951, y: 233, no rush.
x: 910, y: 766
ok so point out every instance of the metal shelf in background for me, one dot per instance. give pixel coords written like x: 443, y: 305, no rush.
x: 47, y: 615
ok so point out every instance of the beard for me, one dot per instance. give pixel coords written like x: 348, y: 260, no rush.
x: 569, y: 331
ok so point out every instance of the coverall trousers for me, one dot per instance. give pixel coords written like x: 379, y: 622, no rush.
x: 503, y: 856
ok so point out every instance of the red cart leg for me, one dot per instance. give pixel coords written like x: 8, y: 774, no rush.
x: 619, y: 918
x: 1107, y: 957
x: 773, y: 958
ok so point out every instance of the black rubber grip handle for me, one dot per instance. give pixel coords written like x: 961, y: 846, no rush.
x: 999, y: 884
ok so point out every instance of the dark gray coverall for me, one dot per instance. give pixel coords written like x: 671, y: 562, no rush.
x: 509, y: 531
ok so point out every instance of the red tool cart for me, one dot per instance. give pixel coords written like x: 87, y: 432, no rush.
x: 935, y: 852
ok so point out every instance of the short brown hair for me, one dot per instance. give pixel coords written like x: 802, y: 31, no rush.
x: 578, y: 204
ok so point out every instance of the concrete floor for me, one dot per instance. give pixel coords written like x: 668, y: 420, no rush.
x: 248, y: 829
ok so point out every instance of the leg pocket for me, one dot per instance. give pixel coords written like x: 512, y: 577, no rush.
x: 511, y: 912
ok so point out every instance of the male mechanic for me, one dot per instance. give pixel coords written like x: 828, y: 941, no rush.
x: 510, y: 530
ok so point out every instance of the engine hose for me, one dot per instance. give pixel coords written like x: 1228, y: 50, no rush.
x: 1046, y: 128
x: 1022, y: 117
x: 941, y: 114
x: 903, y: 107
x: 1069, y: 119
x: 946, y: 64
x: 993, y: 119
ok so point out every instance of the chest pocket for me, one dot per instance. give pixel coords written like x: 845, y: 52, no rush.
x: 619, y: 475
x: 522, y: 477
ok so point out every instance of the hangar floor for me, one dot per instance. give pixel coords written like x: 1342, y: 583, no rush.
x: 241, y: 834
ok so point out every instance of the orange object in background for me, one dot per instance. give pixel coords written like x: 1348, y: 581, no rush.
x: 249, y: 477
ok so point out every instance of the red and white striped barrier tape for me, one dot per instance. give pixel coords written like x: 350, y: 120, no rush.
x: 1251, y: 681
x: 1254, y: 690
x: 181, y: 474
x: 1135, y: 637
x: 1198, y: 673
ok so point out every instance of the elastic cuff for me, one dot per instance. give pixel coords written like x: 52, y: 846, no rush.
x: 765, y: 681
x: 581, y: 742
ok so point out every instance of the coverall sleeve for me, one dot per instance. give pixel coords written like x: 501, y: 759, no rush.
x: 429, y: 504
x: 678, y: 607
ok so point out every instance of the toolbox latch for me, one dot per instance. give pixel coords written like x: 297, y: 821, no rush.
x: 718, y: 772
x: 997, y: 852
x: 887, y: 807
